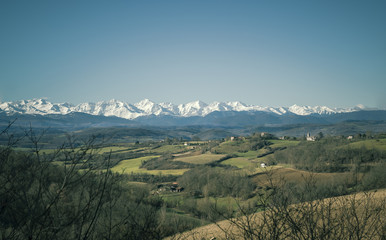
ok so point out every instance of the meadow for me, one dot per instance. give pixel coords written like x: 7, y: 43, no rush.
x: 128, y: 166
x: 379, y: 144
x: 201, y: 158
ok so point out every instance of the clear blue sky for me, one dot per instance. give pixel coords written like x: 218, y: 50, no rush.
x: 269, y: 53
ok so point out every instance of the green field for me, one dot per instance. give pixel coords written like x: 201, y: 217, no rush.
x: 231, y: 147
x: 132, y: 166
x: 283, y: 143
x: 201, y: 159
x: 240, y: 147
x: 169, y: 149
x: 379, y: 144
x: 239, y: 162
x: 111, y: 149
x: 249, y: 154
x: 96, y: 150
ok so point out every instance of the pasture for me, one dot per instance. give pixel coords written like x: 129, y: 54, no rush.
x: 287, y: 174
x: 379, y: 144
x: 201, y: 159
x: 240, y: 162
x: 133, y: 166
x: 169, y: 149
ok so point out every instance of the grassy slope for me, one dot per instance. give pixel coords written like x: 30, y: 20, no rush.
x: 132, y: 166
x: 215, y: 230
x: 379, y: 144
x: 249, y: 159
x: 234, y: 147
x: 294, y: 175
x: 239, y: 162
x: 283, y: 143
x: 170, y: 149
x: 200, y: 159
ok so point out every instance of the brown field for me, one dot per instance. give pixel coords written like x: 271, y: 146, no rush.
x: 339, y: 205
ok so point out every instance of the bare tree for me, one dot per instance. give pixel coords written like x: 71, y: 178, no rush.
x: 63, y: 194
x: 286, y: 211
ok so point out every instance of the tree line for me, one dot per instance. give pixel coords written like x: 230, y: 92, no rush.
x: 63, y: 196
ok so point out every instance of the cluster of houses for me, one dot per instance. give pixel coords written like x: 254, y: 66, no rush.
x: 237, y: 138
x: 168, y: 187
x: 313, y: 138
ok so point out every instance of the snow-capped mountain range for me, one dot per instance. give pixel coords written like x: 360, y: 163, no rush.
x: 147, y: 108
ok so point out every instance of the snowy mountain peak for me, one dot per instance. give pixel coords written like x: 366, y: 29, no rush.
x: 197, y: 104
x: 307, y: 110
x: 195, y: 108
x: 147, y: 107
x: 144, y: 102
x: 114, y: 101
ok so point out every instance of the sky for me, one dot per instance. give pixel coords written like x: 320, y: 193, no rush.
x: 267, y: 53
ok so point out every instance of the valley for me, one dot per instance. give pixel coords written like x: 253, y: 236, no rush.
x: 186, y: 184
x: 192, y: 120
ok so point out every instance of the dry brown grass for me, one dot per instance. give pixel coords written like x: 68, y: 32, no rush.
x: 360, y: 214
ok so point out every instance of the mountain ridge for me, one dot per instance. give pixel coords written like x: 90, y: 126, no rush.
x: 147, y: 107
